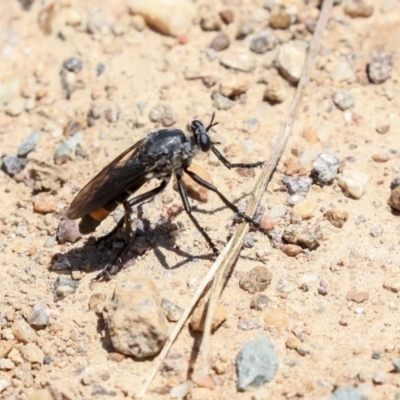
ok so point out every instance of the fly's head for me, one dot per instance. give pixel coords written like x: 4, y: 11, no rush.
x: 200, y: 133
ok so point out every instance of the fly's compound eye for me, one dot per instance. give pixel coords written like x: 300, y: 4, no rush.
x: 204, y: 141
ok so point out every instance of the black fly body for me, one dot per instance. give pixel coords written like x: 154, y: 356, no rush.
x: 160, y: 155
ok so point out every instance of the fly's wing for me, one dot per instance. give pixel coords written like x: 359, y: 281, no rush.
x: 121, y: 174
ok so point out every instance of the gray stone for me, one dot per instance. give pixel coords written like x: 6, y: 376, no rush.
x: 299, y: 186
x: 256, y: 363
x: 63, y: 151
x: 222, y: 102
x: 28, y: 144
x: 263, y: 42
x: 380, y: 67
x: 171, y: 310
x: 39, y: 316
x: 349, y: 393
x: 13, y: 165
x: 343, y: 99
x: 396, y: 364
x: 73, y: 64
x: 325, y: 168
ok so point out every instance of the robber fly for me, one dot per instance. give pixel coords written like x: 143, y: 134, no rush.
x: 160, y: 155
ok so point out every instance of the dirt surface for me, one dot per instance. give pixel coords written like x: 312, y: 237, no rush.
x: 332, y: 312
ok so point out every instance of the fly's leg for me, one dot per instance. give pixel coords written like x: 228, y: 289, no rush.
x: 230, y: 205
x: 188, y: 209
x: 230, y: 165
x: 117, y: 264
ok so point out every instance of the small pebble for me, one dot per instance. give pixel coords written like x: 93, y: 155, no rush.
x: 15, y: 107
x: 256, y: 363
x: 300, y: 186
x: 112, y: 114
x: 171, y: 310
x: 293, y: 342
x: 73, y: 64
x: 5, y: 347
x: 278, y: 211
x: 276, y: 319
x: 6, y: 364
x: 28, y: 144
x: 227, y: 16
x: 23, y: 332
x: 44, y: 203
x: 396, y: 364
x: 61, y: 264
x: 340, y: 70
x: 323, y: 289
x: 376, y: 231
x: 221, y: 102
x: 220, y: 42
x: 291, y: 250
x: 68, y: 232
x: 173, y: 18
x: 325, y: 168
x: 358, y: 296
x: 392, y: 284
x: 358, y: 8
x: 305, y: 209
x: 259, y: 302
x: 394, y: 198
x: 162, y: 113
x: 256, y: 280
x: 380, y: 67
x: 234, y: 85
x: 210, y: 22
x: 353, y: 182
x: 249, y: 324
x: 395, y: 182
x: 96, y: 302
x: 380, y: 157
x: 32, y: 353
x: 66, y: 148
x: 348, y: 393
x: 304, y: 236
x: 263, y: 42
x: 245, y: 28
x: 64, y: 286
x: 74, y: 18
x: 279, y: 18
x: 239, y: 60
x: 379, y: 377
x: 199, y: 316
x: 13, y: 165
x: 290, y: 60
x: 343, y: 100
x: 336, y: 218
x: 40, y: 315
x: 303, y: 350
x: 382, y: 129
x: 275, y: 91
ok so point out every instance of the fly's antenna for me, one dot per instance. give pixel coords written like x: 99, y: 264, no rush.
x: 212, y: 123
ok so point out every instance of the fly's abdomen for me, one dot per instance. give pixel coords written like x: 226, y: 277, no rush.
x: 90, y: 222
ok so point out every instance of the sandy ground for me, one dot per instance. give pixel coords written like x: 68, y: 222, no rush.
x: 343, y: 343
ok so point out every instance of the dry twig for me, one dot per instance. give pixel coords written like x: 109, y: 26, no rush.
x: 228, y: 256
